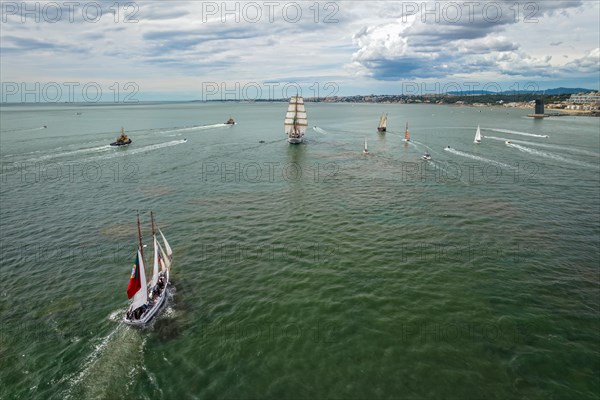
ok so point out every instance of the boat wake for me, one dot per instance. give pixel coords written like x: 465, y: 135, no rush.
x: 548, y: 146
x: 195, y: 128
x: 139, y: 150
x: 24, y: 129
x: 551, y: 155
x: 116, y: 355
x: 474, y: 157
x: 517, y: 133
x: 98, y: 149
x: 319, y: 130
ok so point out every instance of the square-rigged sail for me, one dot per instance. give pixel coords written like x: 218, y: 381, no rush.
x: 295, y: 119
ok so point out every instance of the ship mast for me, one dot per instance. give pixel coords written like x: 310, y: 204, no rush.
x: 140, y: 236
x: 152, y: 219
x: 296, y: 115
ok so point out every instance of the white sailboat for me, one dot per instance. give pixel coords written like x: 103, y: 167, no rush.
x: 365, y: 150
x: 147, y: 299
x: 478, y: 136
x: 295, y: 122
x: 382, y: 123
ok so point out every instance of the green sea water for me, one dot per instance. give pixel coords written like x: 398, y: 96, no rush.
x: 305, y: 272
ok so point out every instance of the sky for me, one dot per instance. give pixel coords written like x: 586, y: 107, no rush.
x: 204, y: 50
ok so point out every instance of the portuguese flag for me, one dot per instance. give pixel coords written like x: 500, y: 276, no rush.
x: 135, y: 282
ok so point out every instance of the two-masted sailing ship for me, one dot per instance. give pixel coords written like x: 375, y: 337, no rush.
x: 295, y: 122
x: 382, y: 128
x: 148, y: 298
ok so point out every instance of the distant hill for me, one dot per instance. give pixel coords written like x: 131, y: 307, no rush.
x: 547, y: 92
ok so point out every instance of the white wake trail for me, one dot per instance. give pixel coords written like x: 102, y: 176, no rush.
x: 547, y: 146
x: 517, y: 133
x: 551, y: 155
x: 144, y: 149
x: 24, y: 129
x: 195, y: 128
x: 99, y: 149
x: 474, y: 157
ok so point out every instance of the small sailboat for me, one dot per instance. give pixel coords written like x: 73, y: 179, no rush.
x: 122, y: 140
x: 382, y: 128
x: 478, y: 136
x: 148, y: 298
x: 406, y: 139
x: 366, y: 150
x: 295, y: 122
x: 230, y: 121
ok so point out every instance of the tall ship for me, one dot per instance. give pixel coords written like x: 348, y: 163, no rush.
x: 148, y: 298
x: 382, y: 123
x: 295, y: 120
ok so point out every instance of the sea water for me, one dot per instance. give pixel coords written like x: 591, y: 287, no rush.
x: 301, y: 271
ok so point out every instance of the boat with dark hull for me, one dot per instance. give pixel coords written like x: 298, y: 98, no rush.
x: 122, y: 140
x: 148, y: 298
x: 382, y: 127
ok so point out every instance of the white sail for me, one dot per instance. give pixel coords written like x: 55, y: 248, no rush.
x: 383, y: 120
x: 141, y: 296
x: 169, y: 251
x: 166, y: 263
x: 155, y: 266
x: 477, y: 136
x: 296, y: 121
x: 366, y: 149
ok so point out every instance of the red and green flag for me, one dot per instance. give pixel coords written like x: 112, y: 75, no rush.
x: 135, y: 281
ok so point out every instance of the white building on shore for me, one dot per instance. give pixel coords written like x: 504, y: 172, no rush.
x: 592, y: 98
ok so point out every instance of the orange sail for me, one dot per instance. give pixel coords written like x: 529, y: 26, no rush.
x: 406, y: 134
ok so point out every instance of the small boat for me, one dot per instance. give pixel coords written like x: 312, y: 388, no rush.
x: 122, y: 140
x: 447, y: 148
x: 230, y: 121
x: 148, y: 298
x: 45, y: 126
x: 406, y: 139
x: 478, y: 136
x: 426, y: 156
x: 365, y: 150
x: 382, y: 128
x: 295, y: 122
x: 508, y: 142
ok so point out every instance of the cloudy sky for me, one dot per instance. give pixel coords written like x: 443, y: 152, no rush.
x: 184, y: 50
